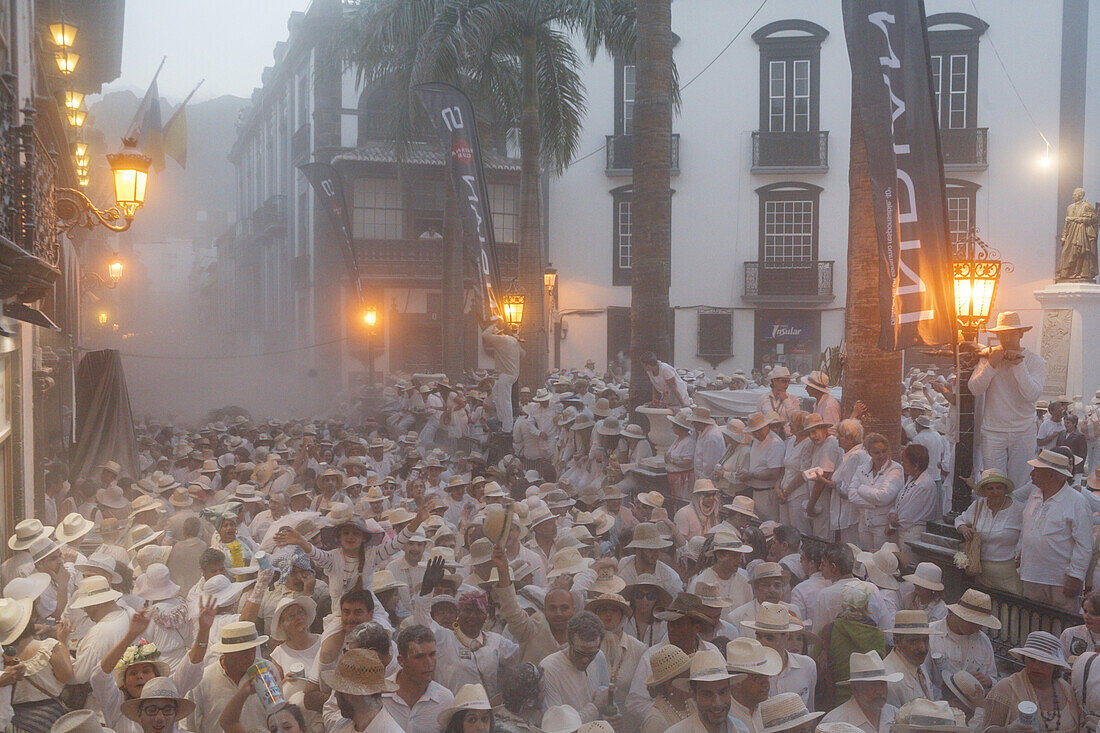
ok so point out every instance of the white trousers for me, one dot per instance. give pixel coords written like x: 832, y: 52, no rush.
x: 502, y: 400
x: 1009, y: 452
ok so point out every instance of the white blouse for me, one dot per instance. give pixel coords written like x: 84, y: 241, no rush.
x: 1000, y: 532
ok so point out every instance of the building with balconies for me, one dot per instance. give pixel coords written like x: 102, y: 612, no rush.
x: 760, y: 172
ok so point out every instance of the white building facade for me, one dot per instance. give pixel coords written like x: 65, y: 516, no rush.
x: 760, y: 172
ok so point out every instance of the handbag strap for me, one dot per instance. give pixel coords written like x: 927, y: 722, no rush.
x: 56, y: 699
x: 1085, y: 675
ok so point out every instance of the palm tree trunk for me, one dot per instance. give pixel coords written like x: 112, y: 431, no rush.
x: 531, y: 263
x: 453, y: 288
x: 870, y: 374
x: 651, y: 207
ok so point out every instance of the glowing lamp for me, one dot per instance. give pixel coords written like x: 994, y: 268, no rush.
x: 73, y: 100
x: 511, y: 304
x: 550, y: 279
x: 130, y: 169
x: 63, y: 34
x: 67, y: 61
x: 77, y: 117
x: 975, y: 290
x: 370, y: 316
x: 80, y: 150
x: 114, y: 270
x: 82, y: 180
x: 102, y: 318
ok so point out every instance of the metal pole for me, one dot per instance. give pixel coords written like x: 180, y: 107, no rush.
x: 964, y: 448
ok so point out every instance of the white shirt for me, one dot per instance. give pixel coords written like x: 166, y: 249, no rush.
x: 212, y: 695
x: 877, y: 491
x: 804, y: 595
x: 765, y: 454
x: 505, y: 349
x: 913, y: 684
x: 799, y: 676
x: 784, y: 407
x: 1000, y: 532
x: 829, y: 409
x: 736, y: 589
x: 639, y: 700
x: 918, y: 501
x: 383, y: 722
x: 933, y: 441
x: 99, y: 640
x: 1056, y: 537
x: 666, y: 372
x: 843, y: 513
x: 1048, y: 431
x: 423, y: 716
x: 670, y: 579
x: 850, y: 712
x: 457, y: 664
x: 969, y: 652
x: 564, y: 684
x: 1010, y: 392
x: 709, y: 447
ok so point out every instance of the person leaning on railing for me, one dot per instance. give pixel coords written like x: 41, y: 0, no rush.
x: 997, y: 519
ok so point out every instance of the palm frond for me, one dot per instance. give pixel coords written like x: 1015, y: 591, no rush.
x: 561, y: 97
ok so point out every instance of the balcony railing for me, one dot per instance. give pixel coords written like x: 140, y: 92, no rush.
x: 964, y: 148
x: 418, y: 260
x: 774, y: 152
x: 620, y: 154
x: 9, y: 157
x: 806, y: 281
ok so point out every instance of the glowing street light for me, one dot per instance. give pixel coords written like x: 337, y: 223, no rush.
x: 130, y: 173
x: 63, y: 34
x: 114, y: 271
x: 512, y: 303
x: 370, y: 317
x: 77, y: 117
x: 73, y: 100
x: 67, y: 61
x: 102, y: 318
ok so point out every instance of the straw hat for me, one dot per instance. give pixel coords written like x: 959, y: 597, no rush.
x: 237, y: 637
x: 701, y: 416
x: 224, y: 591
x: 608, y: 581
x: 30, y: 587
x: 306, y: 603
x: 26, y: 532
x: 926, y: 715
x: 647, y: 536
x: 568, y: 561
x: 608, y: 599
x: 103, y: 562
x: 14, y: 617
x: 648, y: 580
x: 838, y: 728
x: 635, y: 432
x: 965, y: 687
x: 144, y: 503
x: 735, y: 429
x: 139, y: 654
x: 993, y: 476
x: 785, y: 711
x: 773, y: 618
x: 72, y: 528
x: 977, y: 608
x: 667, y: 663
x: 93, y: 591
x: 652, y: 499
x: 155, y: 584
x: 597, y: 726
x: 1044, y: 647
x: 817, y: 380
x: 926, y: 575
x: 704, y: 486
x: 707, y: 665
x: 383, y: 580
x: 726, y: 541
x: 584, y: 420
x: 709, y: 595
x: 779, y: 372
x: 682, y: 418
x: 610, y: 426
x: 1056, y: 462
x: 181, y: 497
x: 158, y: 688
x: 561, y: 719
x: 880, y: 567
x: 111, y: 466
x: 813, y: 422
x: 602, y: 407
x: 359, y: 672
x: 869, y: 667
x: 167, y: 482
x: 42, y: 548
x: 469, y: 697
x: 684, y: 604
x: 141, y: 535
x: 914, y: 623
x: 1008, y: 321
x: 78, y: 721
x: 765, y: 570
x: 743, y: 505
x: 752, y: 657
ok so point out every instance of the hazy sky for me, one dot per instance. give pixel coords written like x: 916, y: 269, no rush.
x: 226, y: 42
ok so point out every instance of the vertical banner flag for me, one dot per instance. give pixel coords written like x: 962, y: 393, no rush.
x: 452, y: 115
x: 329, y: 187
x: 896, y: 110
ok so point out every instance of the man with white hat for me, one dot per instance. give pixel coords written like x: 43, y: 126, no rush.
x: 773, y: 627
x: 238, y: 646
x: 709, y: 683
x: 963, y: 646
x: 777, y: 399
x: 507, y: 353
x: 728, y: 550
x: 754, y: 666
x: 868, y: 682
x: 1011, y: 379
x: 765, y: 465
x: 767, y: 587
x: 911, y: 641
x: 1056, y: 538
x: 710, y: 443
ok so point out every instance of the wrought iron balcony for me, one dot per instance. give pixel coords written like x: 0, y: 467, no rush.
x: 620, y: 154
x: 418, y: 261
x: 790, y: 152
x: 964, y: 148
x: 789, y: 281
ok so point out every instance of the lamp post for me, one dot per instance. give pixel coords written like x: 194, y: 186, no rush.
x: 977, y: 270
x: 114, y: 275
x: 370, y: 320
x: 550, y: 282
x: 130, y: 172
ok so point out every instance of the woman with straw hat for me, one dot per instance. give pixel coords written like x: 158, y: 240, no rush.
x: 45, y: 664
x: 996, y: 519
x: 290, y: 624
x: 1039, y: 682
x: 680, y: 456
x: 701, y: 513
x: 470, y: 713
x: 671, y: 702
x: 646, y: 596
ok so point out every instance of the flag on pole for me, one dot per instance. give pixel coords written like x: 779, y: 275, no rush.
x: 175, y: 131
x: 146, y: 127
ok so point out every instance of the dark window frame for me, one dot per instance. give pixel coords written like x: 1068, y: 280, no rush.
x: 962, y: 41
x: 710, y: 328
x: 623, y: 194
x: 957, y: 188
x: 788, y: 49
x: 620, y: 75
x: 789, y: 191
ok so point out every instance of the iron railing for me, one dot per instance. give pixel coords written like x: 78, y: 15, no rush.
x: 419, y: 259
x: 790, y: 149
x: 40, y: 232
x: 964, y: 146
x: 793, y: 279
x: 9, y: 157
x: 620, y: 154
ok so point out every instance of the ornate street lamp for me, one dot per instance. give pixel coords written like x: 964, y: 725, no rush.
x: 511, y: 302
x: 976, y: 270
x: 114, y: 271
x: 73, y: 100
x: 63, y: 34
x: 77, y: 117
x: 130, y: 172
x: 67, y: 61
x: 102, y: 318
x: 370, y: 317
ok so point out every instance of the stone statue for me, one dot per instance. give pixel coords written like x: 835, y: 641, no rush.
x: 1078, y: 258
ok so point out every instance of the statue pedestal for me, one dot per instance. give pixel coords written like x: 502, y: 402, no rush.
x: 660, y: 430
x: 1069, y: 339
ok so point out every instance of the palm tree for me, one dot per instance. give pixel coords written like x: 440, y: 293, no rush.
x: 652, y: 203
x: 870, y: 374
x: 548, y: 99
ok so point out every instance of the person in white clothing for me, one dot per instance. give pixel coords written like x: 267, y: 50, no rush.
x: 577, y: 675
x: 825, y: 405
x: 873, y: 490
x: 1009, y: 378
x: 669, y: 388
x: 507, y: 353
x: 777, y: 399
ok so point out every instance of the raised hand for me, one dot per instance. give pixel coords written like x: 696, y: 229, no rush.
x: 139, y: 622
x: 208, y: 609
x: 433, y: 573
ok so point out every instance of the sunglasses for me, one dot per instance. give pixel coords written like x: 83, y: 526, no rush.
x: 648, y: 595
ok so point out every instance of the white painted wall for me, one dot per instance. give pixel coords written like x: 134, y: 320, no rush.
x: 715, y: 207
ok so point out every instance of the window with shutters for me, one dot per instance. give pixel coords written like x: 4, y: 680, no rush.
x: 622, y: 230
x: 625, y: 89
x: 715, y: 341
x: 953, y: 49
x: 790, y: 73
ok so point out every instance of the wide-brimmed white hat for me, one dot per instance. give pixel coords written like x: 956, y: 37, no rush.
x: 701, y: 416
x: 112, y: 497
x: 103, y: 562
x: 567, y: 562
x: 869, y: 667
x: 742, y: 505
x: 223, y: 590
x: 1054, y: 461
x: 707, y: 665
x: 965, y: 687
x: 383, y: 580
x: 26, y: 532
x: 880, y: 567
x: 469, y: 697
x: 927, y: 575
x: 634, y: 432
x: 155, y: 584
x: 977, y: 608
x: 306, y: 603
x: 93, y: 591
x: 779, y: 372
x: 15, y: 614
x: 1008, y: 321
x: 72, y: 528
x: 773, y: 618
x: 158, y: 688
x: 1042, y: 646
x: 727, y: 541
x: 647, y: 536
x: 610, y: 426
x: 30, y: 587
x: 682, y: 418
x: 238, y: 636
x: 817, y: 380
x: 785, y: 711
x: 561, y: 719
x: 752, y: 657
x: 79, y: 721
x: 141, y: 535
x: 145, y: 503
x: 913, y: 623
x: 42, y: 548
x: 926, y: 715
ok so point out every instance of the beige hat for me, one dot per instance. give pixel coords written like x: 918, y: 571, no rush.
x: 112, y: 497
x: 141, y: 535
x: 1042, y: 646
x: 78, y: 721
x: 764, y: 570
x: 779, y: 372
x: 743, y: 505
x: 1008, y: 321
x: 881, y: 566
x: 977, y: 608
x: 926, y: 715
x: 682, y: 418
x: 914, y: 623
x: 813, y: 422
x: 667, y: 663
x: 597, y: 726
x: 635, y: 432
x: 383, y: 580
x: 701, y: 416
x: 727, y: 541
x: 773, y: 618
x: 238, y: 636
x: 111, y: 466
x: 144, y: 503
x: 469, y: 697
x: 647, y: 536
x: 30, y: 587
x: 155, y: 584
x: 707, y: 665
x: 756, y: 422
x: 704, y: 486
x: 306, y: 603
x: 926, y: 575
x: 93, y: 591
x: 1054, y: 461
x: 181, y: 497
x: 608, y: 599
x: 752, y: 657
x: 158, y: 688
x: 607, y: 581
x: 14, y: 617
x: 26, y: 532
x: 561, y: 719
x: 42, y: 548
x: 869, y: 667
x: 837, y: 728
x: 817, y: 380
x: 72, y: 528
x: 652, y: 499
x: 648, y: 580
x: 481, y: 552
x: 785, y: 711
x: 709, y: 595
x: 568, y: 561
x: 965, y: 687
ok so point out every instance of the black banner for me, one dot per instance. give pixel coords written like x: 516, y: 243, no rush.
x: 329, y: 187
x: 452, y: 115
x: 896, y: 110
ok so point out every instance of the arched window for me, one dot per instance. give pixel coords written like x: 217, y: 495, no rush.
x: 953, y: 47
x: 788, y: 223
x: 790, y: 72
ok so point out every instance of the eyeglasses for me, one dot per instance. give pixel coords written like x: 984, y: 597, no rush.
x: 152, y: 710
